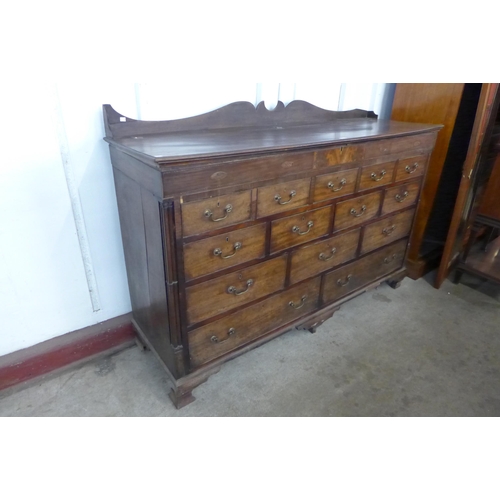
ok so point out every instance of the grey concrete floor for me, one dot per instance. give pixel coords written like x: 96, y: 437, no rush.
x: 414, y: 351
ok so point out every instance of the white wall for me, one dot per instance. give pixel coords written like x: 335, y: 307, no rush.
x: 61, y: 261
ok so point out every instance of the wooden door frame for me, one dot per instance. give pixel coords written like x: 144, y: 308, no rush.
x: 460, y: 223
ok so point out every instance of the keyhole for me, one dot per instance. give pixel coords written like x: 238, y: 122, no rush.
x: 227, y: 239
x: 218, y: 204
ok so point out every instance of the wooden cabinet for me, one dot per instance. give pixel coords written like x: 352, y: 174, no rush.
x: 243, y: 223
x: 439, y: 226
x: 477, y: 238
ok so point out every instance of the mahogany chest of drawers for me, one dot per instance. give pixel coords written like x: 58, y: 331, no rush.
x: 243, y: 223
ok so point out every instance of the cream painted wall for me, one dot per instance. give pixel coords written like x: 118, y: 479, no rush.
x: 61, y: 261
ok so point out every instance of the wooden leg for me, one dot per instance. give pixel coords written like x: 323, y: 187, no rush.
x: 181, y: 398
x: 317, y: 320
x: 395, y: 281
x: 181, y: 391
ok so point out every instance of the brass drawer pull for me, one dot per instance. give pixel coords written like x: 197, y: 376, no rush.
x: 331, y: 185
x: 322, y: 256
x: 345, y: 282
x: 388, y: 230
x: 209, y: 214
x: 296, y: 229
x: 380, y: 177
x: 232, y: 289
x: 215, y: 339
x: 401, y: 197
x: 277, y: 198
x: 302, y: 302
x: 388, y: 260
x: 236, y: 247
x: 412, y: 168
x: 355, y: 213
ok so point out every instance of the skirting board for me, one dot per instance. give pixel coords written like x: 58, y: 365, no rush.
x: 66, y: 351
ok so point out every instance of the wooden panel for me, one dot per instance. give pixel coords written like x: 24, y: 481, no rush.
x: 225, y: 250
x: 360, y: 273
x: 386, y: 231
x: 400, y: 197
x: 214, y: 175
x: 281, y: 197
x: 408, y: 168
x: 490, y: 204
x: 319, y: 257
x: 159, y: 323
x: 133, y: 231
x: 216, y: 212
x: 339, y: 155
x: 428, y: 103
x: 243, y: 326
x: 301, y: 228
x: 214, y: 297
x: 417, y: 142
x: 336, y: 184
x: 356, y: 210
x: 373, y: 176
x: 236, y: 115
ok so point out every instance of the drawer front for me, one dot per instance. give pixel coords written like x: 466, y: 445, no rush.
x: 239, y: 172
x: 356, y: 210
x: 281, y: 197
x: 232, y: 290
x: 408, y: 168
x: 301, y: 228
x: 374, y: 176
x: 214, y: 213
x: 336, y: 184
x: 420, y: 141
x: 392, y: 146
x: 400, y: 197
x: 351, y: 277
x: 339, y: 155
x: 386, y: 231
x: 318, y: 257
x: 237, y: 329
x: 225, y: 250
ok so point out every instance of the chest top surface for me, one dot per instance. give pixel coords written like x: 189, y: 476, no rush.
x: 241, y: 129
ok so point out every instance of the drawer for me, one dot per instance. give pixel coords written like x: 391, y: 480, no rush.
x: 214, y: 213
x: 318, y: 257
x: 339, y: 155
x: 239, y: 328
x: 400, y: 197
x: 301, y: 228
x: 225, y: 250
x: 356, y: 210
x: 401, y: 144
x: 280, y: 197
x: 374, y: 176
x: 386, y: 231
x: 336, y: 184
x: 238, y: 172
x: 356, y: 275
x: 408, y: 168
x: 232, y: 290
